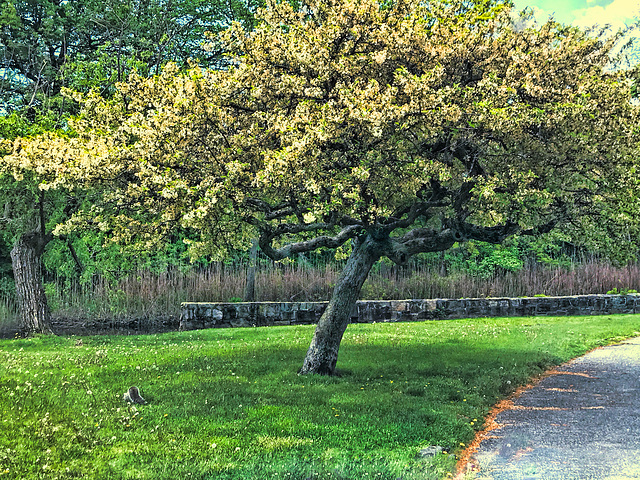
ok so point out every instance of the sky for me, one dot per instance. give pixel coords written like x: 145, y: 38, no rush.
x: 588, y: 13
x: 585, y: 13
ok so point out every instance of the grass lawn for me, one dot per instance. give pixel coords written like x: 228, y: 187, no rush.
x: 228, y: 404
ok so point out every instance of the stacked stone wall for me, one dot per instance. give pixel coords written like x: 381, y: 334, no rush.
x: 258, y: 314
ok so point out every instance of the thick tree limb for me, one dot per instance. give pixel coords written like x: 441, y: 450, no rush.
x: 423, y: 240
x: 306, y: 246
x: 420, y: 240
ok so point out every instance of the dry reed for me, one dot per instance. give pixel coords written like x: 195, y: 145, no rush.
x: 144, y: 294
x: 147, y: 294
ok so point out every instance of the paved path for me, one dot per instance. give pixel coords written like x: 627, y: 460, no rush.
x: 580, y: 423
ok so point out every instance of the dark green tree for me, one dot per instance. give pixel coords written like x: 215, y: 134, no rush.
x: 47, y: 45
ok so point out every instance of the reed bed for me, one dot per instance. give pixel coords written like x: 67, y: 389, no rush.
x: 590, y: 277
x: 147, y: 294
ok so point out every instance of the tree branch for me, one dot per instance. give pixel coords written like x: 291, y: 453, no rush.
x: 423, y: 240
x: 308, y: 245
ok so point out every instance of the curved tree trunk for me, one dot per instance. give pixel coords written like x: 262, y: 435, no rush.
x: 323, y: 353
x: 27, y: 271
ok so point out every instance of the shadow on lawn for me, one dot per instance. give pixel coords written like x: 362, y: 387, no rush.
x: 267, y: 375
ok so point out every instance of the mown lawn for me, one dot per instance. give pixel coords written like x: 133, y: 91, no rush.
x: 228, y: 404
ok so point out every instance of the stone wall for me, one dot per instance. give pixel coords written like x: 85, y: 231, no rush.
x: 215, y: 315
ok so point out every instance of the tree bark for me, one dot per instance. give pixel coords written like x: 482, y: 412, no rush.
x: 27, y: 271
x: 322, y: 355
x: 250, y: 287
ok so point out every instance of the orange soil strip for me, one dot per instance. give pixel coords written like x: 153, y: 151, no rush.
x: 463, y: 466
x: 522, y: 407
x: 577, y: 374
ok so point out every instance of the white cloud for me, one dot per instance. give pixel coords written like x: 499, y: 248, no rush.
x: 539, y: 17
x: 617, y: 14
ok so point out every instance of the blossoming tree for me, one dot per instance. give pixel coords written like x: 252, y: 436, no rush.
x: 385, y: 129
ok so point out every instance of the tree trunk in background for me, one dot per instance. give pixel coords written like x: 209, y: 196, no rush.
x: 250, y: 288
x: 27, y: 271
x: 323, y: 353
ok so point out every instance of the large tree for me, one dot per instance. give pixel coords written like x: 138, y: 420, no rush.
x: 380, y: 128
x: 49, y: 44
x: 25, y: 227
x: 46, y: 45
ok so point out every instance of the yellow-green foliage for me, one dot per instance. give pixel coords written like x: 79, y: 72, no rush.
x: 344, y: 117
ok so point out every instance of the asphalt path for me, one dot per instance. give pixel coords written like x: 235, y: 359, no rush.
x: 581, y: 422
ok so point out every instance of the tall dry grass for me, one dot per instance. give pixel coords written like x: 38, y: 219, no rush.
x: 591, y: 277
x: 148, y: 294
x: 145, y: 294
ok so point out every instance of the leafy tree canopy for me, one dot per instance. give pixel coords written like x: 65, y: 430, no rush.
x: 404, y: 127
x: 49, y: 44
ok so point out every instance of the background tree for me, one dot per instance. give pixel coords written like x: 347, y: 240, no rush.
x: 379, y: 129
x: 24, y: 227
x: 48, y: 45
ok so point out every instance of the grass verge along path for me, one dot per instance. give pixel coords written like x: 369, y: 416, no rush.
x: 228, y: 404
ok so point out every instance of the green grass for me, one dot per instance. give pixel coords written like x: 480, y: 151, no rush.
x: 228, y: 404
